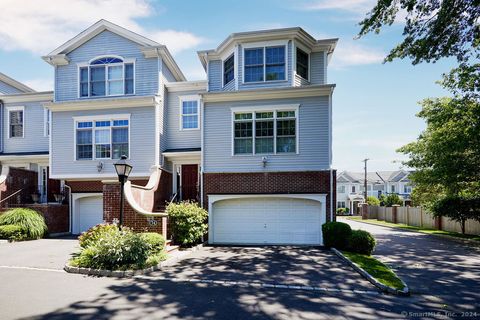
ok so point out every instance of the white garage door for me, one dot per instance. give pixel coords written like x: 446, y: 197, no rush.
x: 267, y: 221
x: 90, y: 212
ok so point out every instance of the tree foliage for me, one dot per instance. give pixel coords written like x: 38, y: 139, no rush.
x: 459, y: 208
x: 390, y: 200
x: 373, y: 201
x: 433, y: 28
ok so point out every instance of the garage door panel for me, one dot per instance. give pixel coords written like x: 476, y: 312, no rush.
x: 267, y: 221
x: 90, y: 212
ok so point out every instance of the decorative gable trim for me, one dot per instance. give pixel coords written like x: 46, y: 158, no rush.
x: 57, y: 56
x: 147, y: 101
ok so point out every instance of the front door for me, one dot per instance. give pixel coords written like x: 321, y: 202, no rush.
x: 189, y: 189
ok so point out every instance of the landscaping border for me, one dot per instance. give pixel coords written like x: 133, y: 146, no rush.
x: 372, y: 280
x: 127, y: 273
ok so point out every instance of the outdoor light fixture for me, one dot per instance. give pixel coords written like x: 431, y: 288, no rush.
x: 123, y: 171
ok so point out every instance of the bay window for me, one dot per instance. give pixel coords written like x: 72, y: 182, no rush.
x: 102, y: 139
x: 264, y: 64
x: 108, y: 76
x: 265, y: 132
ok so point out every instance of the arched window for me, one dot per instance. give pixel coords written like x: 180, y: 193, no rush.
x: 106, y: 76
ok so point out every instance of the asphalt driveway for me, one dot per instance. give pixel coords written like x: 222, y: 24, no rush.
x: 289, y: 265
x: 44, y: 253
x: 444, y: 268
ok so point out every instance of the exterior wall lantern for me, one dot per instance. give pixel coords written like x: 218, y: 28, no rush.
x: 123, y: 171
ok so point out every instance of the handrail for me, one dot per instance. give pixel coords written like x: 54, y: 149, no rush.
x: 173, y: 198
x: 18, y: 191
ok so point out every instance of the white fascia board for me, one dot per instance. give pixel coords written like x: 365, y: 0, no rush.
x: 27, y: 97
x: 14, y: 83
x: 187, y: 86
x: 95, y: 104
x: 96, y: 176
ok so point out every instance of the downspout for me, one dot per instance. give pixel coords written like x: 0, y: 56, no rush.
x: 1, y: 126
x: 331, y: 155
x: 70, y: 204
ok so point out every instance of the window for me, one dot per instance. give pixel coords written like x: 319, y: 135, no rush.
x: 102, y: 139
x: 107, y: 76
x: 47, y: 115
x: 353, y: 189
x: 228, y: 69
x: 392, y: 188
x: 15, y: 120
x: 340, y: 204
x: 407, y: 189
x: 302, y: 64
x: 264, y: 64
x: 341, y: 189
x: 265, y: 132
x: 189, y: 113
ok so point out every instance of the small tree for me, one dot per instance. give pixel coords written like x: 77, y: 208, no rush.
x: 373, y: 201
x: 390, y: 200
x: 458, y: 208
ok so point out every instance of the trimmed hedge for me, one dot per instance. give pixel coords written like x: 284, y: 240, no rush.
x: 189, y: 222
x: 12, y: 232
x: 32, y: 223
x: 155, y: 241
x: 361, y: 241
x: 92, y: 235
x: 336, y: 234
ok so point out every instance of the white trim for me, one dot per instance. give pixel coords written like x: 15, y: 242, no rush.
x: 202, y: 153
x: 223, y: 69
x: 294, y: 66
x: 235, y: 70
x: 183, y: 99
x: 108, y: 117
x: 96, y: 176
x: 15, y: 84
x: 96, y: 104
x: 263, y: 108
x: 46, y: 115
x: 186, y: 86
x: 264, y: 45
x: 13, y: 109
x: 325, y: 62
x: 271, y: 93
x: 177, y: 169
x: 187, y: 154
x: 28, y: 97
x: 212, y: 198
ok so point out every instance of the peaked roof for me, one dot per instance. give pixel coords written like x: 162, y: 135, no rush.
x: 374, y: 177
x: 149, y: 48
x: 14, y: 83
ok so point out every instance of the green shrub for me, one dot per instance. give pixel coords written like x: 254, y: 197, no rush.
x: 115, y: 250
x: 373, y: 201
x: 343, y: 211
x: 12, y: 232
x: 155, y: 241
x: 32, y: 223
x: 361, y: 241
x: 92, y: 235
x: 390, y: 200
x: 188, y: 222
x: 336, y: 234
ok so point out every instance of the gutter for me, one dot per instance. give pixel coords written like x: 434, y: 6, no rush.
x: 70, y: 204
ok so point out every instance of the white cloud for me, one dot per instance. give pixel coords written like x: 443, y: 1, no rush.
x: 41, y: 26
x: 357, y: 6
x: 351, y: 54
x: 40, y: 84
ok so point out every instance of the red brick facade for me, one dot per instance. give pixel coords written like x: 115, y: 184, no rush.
x: 22, y: 180
x: 270, y: 183
x: 56, y: 215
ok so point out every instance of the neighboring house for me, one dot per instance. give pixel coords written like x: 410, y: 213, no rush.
x: 252, y: 143
x: 351, y: 186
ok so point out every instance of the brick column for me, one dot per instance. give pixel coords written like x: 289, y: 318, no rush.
x: 438, y: 223
x: 131, y: 219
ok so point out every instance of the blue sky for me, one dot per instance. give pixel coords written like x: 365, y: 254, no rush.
x: 374, y: 104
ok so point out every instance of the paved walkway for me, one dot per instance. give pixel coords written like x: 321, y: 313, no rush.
x: 430, y: 265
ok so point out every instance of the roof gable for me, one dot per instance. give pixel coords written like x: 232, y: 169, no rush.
x: 14, y: 84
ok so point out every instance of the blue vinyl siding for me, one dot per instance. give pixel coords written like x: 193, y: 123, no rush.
x: 8, y: 89
x: 317, y: 65
x: 215, y: 75
x: 106, y: 43
x: 176, y: 138
x: 33, y: 126
x: 314, y: 133
x: 142, y: 141
x: 168, y: 75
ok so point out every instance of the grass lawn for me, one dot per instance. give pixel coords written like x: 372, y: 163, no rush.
x: 418, y: 229
x: 376, y: 269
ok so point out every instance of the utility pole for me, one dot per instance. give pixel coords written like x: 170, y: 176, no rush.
x: 365, y: 179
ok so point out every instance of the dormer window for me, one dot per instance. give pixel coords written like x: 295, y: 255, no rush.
x: 228, y: 69
x: 264, y: 64
x: 106, y: 76
x: 302, y: 64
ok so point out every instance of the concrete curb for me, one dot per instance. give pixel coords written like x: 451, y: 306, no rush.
x: 127, y: 273
x: 372, y: 280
